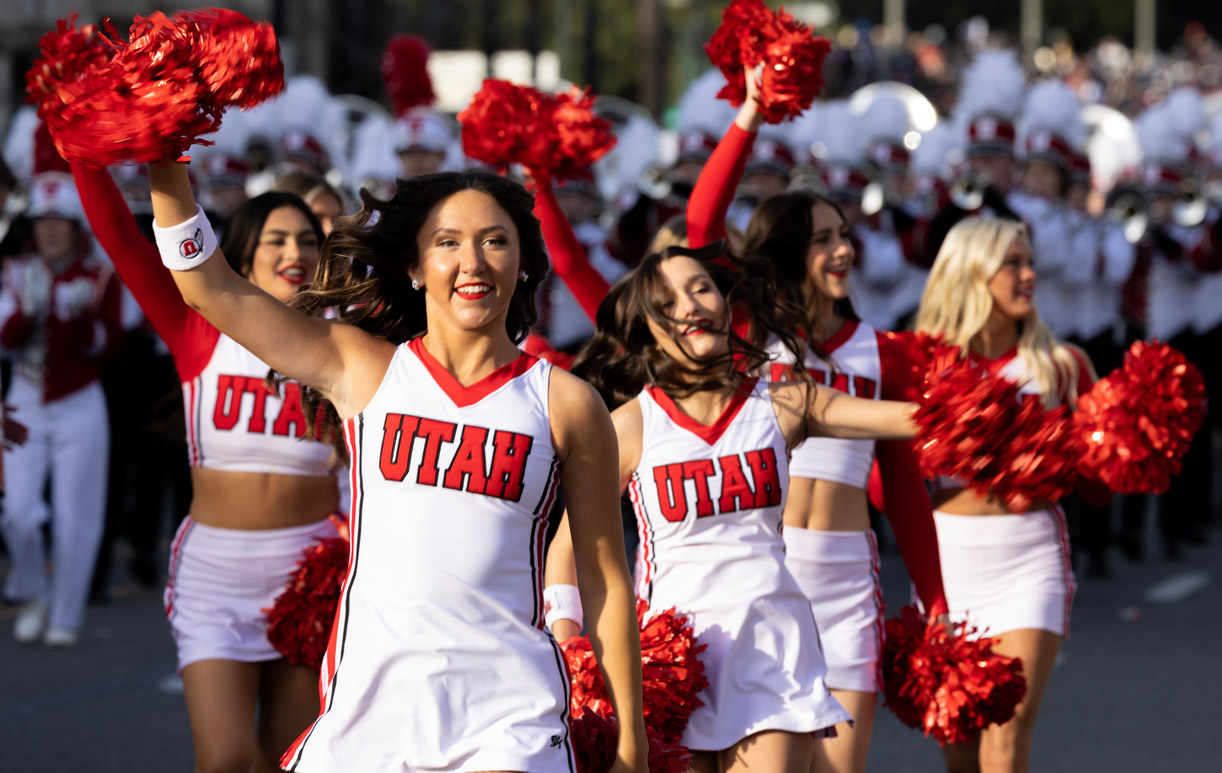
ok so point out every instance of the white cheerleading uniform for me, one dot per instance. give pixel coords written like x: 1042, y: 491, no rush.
x: 838, y: 570
x: 1008, y: 572
x: 439, y: 659
x: 708, y: 501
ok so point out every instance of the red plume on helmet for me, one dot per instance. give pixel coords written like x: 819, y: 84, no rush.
x: 405, y: 73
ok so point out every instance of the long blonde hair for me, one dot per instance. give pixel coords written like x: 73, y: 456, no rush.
x: 957, y: 303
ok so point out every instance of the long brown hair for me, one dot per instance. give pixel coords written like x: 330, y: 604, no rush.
x: 623, y: 355
x: 362, y: 272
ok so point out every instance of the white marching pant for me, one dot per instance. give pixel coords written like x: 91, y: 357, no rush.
x: 70, y: 443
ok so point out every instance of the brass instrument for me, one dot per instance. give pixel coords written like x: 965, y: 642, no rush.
x: 967, y: 192
x: 1130, y: 208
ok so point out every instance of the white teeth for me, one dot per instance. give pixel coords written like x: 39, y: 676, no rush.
x: 293, y: 273
x: 474, y: 289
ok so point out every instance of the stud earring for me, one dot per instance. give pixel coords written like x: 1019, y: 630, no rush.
x: 523, y: 276
x: 415, y: 284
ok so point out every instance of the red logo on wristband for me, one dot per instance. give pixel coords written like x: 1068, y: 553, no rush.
x: 190, y: 248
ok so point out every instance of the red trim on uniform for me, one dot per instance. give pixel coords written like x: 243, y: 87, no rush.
x: 540, y: 538
x: 1063, y: 541
x: 996, y: 365
x: 634, y: 494
x: 463, y: 396
x: 709, y: 433
x: 880, y: 632
x: 841, y: 336
x: 894, y: 369
x: 175, y: 560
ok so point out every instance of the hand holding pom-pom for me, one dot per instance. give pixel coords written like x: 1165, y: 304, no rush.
x: 1135, y: 425
x: 940, y: 681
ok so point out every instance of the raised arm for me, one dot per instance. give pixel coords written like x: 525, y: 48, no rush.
x: 587, y: 448
x: 343, y: 362
x: 569, y: 259
x: 188, y: 335
x: 714, y: 190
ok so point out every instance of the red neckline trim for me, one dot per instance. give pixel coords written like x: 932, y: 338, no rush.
x: 838, y: 338
x: 460, y: 395
x: 997, y: 364
x: 709, y: 433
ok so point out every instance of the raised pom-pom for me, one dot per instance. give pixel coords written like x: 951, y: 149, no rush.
x: 926, y: 355
x: 594, y: 744
x: 299, y: 622
x: 672, y: 673
x: 944, y: 683
x: 156, y: 95
x: 405, y: 73
x: 792, y: 74
x: 1135, y: 425
x: 552, y: 136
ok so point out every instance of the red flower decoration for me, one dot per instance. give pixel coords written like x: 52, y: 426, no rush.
x: 751, y: 34
x: 153, y: 97
x: 1135, y: 425
x: 299, y: 622
x: 552, y: 136
x: 939, y: 681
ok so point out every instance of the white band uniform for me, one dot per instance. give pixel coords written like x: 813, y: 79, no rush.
x: 1007, y: 572
x: 222, y: 580
x: 188, y: 244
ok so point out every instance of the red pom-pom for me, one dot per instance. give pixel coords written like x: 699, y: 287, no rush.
x: 67, y: 55
x: 553, y: 137
x: 594, y: 740
x: 792, y: 75
x: 973, y: 426
x: 405, y: 73
x: 671, y: 671
x: 157, y: 94
x: 299, y: 622
x: 1135, y: 425
x: 938, y: 680
x: 926, y: 355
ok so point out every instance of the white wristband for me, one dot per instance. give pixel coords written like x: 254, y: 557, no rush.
x: 186, y: 245
x: 561, y: 602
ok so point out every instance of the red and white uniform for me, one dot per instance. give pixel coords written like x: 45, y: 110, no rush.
x: 220, y: 580
x: 708, y: 501
x: 1009, y: 572
x: 439, y: 658
x: 58, y: 324
x: 838, y: 570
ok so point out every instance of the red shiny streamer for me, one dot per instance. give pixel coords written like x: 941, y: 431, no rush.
x: 299, y: 622
x: 751, y: 34
x: 939, y: 681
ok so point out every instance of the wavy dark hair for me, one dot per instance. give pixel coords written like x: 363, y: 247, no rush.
x: 780, y: 233
x: 246, y: 223
x: 623, y: 355
x: 362, y: 272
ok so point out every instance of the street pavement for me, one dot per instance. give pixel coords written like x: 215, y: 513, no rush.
x: 1136, y: 689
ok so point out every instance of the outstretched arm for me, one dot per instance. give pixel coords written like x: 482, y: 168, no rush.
x: 804, y: 410
x: 343, y: 362
x: 587, y: 448
x: 569, y: 259
x: 714, y: 190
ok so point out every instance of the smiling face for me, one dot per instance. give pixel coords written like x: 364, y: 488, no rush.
x: 286, y: 255
x: 470, y: 256
x: 687, y: 293
x: 1013, y: 286
x: 830, y: 255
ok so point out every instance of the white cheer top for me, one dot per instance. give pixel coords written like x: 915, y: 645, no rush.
x: 708, y: 502
x: 864, y: 363
x: 236, y: 423
x: 439, y: 648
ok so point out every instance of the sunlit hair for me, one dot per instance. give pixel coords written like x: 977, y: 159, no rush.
x: 362, y: 272
x: 780, y: 232
x: 623, y: 356
x: 673, y: 233
x: 957, y: 303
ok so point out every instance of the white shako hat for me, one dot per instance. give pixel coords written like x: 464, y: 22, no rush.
x: 990, y: 96
x: 1051, y: 127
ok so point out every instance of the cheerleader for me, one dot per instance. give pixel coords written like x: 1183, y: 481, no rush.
x: 704, y: 458
x: 439, y: 659
x: 829, y: 545
x: 1006, y: 573
x: 263, y: 491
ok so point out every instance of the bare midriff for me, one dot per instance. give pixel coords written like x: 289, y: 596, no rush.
x: 259, y: 500
x: 822, y: 505
x: 964, y: 501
